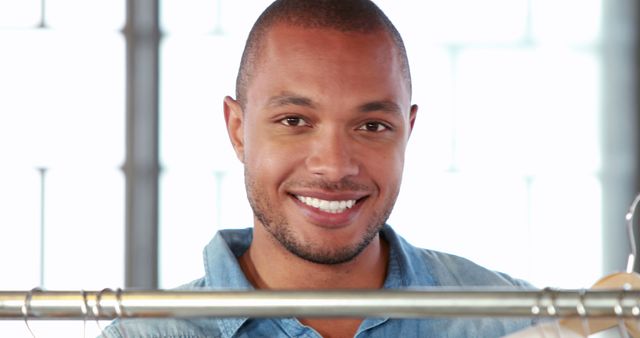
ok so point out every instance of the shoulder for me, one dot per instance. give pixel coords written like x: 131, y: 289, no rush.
x: 165, y: 327
x: 162, y: 327
x: 442, y: 269
x: 199, y: 283
x: 459, y: 271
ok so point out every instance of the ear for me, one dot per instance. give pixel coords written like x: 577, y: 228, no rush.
x: 412, y: 117
x: 234, y: 118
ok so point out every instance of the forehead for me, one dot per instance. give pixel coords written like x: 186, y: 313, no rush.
x: 327, y: 62
x: 281, y: 35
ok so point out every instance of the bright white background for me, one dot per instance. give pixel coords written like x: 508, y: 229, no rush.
x: 505, y: 149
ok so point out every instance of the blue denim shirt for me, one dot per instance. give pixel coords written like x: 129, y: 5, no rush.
x: 409, y: 267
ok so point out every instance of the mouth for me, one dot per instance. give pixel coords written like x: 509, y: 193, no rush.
x: 329, y: 206
x: 329, y: 210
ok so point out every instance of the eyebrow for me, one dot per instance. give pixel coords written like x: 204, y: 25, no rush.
x: 383, y: 106
x: 287, y: 99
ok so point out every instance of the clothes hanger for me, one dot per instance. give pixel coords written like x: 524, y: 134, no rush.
x: 26, y: 306
x: 85, y: 312
x: 582, y: 312
x: 583, y: 326
x: 97, y: 308
x: 625, y: 280
x: 619, y: 314
x: 120, y: 312
x: 119, y: 309
x: 551, y: 309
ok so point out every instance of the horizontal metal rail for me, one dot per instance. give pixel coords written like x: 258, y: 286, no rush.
x: 110, y: 304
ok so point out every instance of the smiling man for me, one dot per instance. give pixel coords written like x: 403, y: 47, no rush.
x: 321, y: 131
x: 321, y: 120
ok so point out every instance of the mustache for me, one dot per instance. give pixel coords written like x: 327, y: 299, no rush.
x: 344, y: 185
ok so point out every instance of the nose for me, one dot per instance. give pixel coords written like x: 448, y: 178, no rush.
x: 331, y: 155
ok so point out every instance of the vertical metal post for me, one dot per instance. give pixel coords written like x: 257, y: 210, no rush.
x: 635, y: 56
x: 620, y: 126
x: 43, y: 15
x: 218, y: 28
x: 141, y: 168
x: 43, y: 173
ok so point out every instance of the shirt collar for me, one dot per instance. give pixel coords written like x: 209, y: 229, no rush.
x: 221, y: 259
x: 406, y: 267
x: 223, y: 270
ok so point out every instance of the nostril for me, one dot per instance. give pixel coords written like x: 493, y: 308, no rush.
x: 331, y: 166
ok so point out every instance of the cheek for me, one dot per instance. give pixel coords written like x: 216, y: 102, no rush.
x: 269, y: 162
x: 386, y: 168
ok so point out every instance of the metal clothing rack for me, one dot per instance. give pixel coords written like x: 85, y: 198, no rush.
x: 416, y: 303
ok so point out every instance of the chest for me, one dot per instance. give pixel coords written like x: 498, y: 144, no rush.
x: 379, y: 328
x: 334, y: 328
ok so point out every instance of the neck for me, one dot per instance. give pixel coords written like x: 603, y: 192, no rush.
x: 268, y: 265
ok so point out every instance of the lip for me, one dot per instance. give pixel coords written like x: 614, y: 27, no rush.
x: 330, y: 196
x: 326, y: 219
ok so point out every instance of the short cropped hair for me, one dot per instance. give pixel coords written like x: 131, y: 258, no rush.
x: 361, y: 16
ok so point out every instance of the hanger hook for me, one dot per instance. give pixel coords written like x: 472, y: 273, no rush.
x: 26, y: 306
x: 536, y: 310
x: 97, y: 307
x: 118, y: 306
x: 85, y: 312
x: 635, y: 311
x: 552, y: 309
x: 582, y: 312
x: 619, y: 311
x: 120, y: 311
x: 632, y: 238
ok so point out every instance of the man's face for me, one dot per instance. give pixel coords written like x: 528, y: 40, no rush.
x: 323, y: 138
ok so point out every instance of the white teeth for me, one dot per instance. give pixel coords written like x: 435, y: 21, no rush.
x: 333, y: 207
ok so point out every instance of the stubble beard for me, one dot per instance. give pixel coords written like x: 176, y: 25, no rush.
x: 277, y: 225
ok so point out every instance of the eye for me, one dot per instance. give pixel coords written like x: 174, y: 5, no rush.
x: 374, y: 126
x: 294, y: 121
